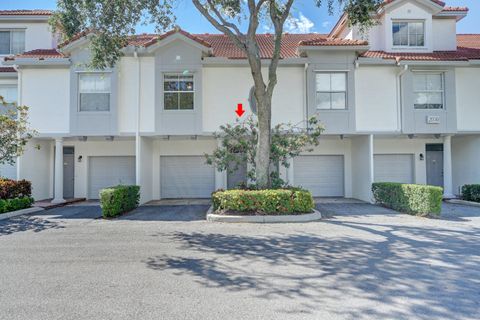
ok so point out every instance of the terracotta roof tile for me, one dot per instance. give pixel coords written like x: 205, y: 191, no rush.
x: 34, y: 12
x: 468, y: 40
x: 7, y: 69
x: 455, y: 9
x: 333, y: 42
x: 40, y: 54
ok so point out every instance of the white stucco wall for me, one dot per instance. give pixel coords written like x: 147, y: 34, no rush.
x: 403, y: 145
x: 36, y: 165
x: 47, y: 93
x: 95, y: 148
x: 37, y: 34
x: 127, y: 94
x: 468, y: 99
x: 444, y: 34
x: 376, y: 105
x: 362, y: 168
x: 225, y: 87
x: 465, y: 156
x: 144, y: 169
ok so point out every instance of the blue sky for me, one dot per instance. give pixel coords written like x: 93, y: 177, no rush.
x: 309, y: 17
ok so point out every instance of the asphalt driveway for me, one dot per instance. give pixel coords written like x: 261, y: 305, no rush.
x: 166, y: 262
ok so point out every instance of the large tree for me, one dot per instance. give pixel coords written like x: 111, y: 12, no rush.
x: 14, y: 131
x: 113, y: 21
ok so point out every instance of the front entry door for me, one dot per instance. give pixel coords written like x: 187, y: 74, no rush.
x: 68, y: 172
x: 434, y: 160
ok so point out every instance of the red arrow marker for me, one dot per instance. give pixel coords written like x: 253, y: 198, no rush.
x: 239, y: 110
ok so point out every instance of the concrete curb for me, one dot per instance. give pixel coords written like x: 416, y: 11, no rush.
x: 463, y: 202
x: 314, y: 216
x: 12, y: 214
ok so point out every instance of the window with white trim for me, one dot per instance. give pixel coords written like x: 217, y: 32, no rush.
x: 178, y: 92
x: 428, y: 90
x: 408, y: 33
x: 12, y: 41
x: 9, y: 94
x: 331, y: 90
x: 94, y: 92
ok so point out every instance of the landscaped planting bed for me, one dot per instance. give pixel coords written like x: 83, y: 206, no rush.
x: 471, y: 192
x: 15, y: 195
x: 414, y: 199
x: 263, y: 202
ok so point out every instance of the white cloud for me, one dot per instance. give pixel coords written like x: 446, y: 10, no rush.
x: 325, y: 24
x: 299, y: 25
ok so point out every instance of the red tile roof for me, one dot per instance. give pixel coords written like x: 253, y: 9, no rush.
x: 34, y: 12
x: 322, y: 41
x: 435, y: 1
x: 41, y: 54
x: 455, y: 9
x: 462, y: 54
x: 468, y: 40
x: 7, y: 69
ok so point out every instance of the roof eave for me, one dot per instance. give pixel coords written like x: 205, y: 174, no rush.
x: 458, y: 15
x: 357, y: 48
x: 24, y: 17
x: 38, y: 62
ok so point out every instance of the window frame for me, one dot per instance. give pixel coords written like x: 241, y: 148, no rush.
x: 330, y: 72
x: 178, y: 75
x: 442, y: 79
x: 11, y: 31
x: 79, y: 92
x: 402, y: 46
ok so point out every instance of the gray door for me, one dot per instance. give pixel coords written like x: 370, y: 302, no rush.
x: 109, y: 171
x: 237, y: 177
x: 393, y: 168
x: 434, y: 163
x: 68, y: 172
x: 322, y: 175
x: 8, y: 171
x: 186, y: 177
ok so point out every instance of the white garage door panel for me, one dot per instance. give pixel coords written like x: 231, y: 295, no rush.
x: 8, y: 171
x: 186, y: 177
x: 322, y: 175
x: 109, y: 171
x: 393, y: 168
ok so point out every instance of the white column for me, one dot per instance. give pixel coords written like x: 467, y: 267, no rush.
x: 447, y: 167
x: 58, y: 196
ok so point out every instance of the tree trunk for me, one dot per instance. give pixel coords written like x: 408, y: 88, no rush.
x: 262, y: 161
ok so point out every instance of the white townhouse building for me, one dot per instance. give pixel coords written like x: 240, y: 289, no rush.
x: 399, y: 103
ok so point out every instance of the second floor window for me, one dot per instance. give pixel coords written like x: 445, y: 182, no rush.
x: 12, y: 41
x: 408, y: 34
x: 94, y: 92
x: 331, y: 90
x: 428, y: 90
x: 178, y: 91
x: 9, y: 95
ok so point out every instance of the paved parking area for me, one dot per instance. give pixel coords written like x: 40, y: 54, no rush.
x: 166, y: 262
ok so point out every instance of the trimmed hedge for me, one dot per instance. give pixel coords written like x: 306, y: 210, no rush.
x: 119, y: 199
x: 471, y: 192
x: 8, y: 205
x: 274, y: 202
x: 10, y: 189
x: 409, y: 198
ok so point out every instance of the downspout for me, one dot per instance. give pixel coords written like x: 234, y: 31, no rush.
x: 399, y: 96
x: 19, y: 102
x: 138, y: 148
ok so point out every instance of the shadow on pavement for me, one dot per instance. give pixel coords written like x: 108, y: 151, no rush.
x: 183, y: 213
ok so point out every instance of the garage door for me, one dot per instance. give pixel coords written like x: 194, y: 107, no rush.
x: 186, y: 177
x: 322, y: 175
x: 109, y: 171
x: 393, y: 168
x: 8, y: 171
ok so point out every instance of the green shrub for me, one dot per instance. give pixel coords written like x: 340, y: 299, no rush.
x: 8, y: 205
x: 409, y: 198
x: 276, y: 202
x: 10, y: 189
x: 119, y: 199
x: 471, y: 192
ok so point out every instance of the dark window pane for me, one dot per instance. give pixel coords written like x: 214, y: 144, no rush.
x: 4, y: 42
x: 186, y: 101
x: 170, y: 86
x: 171, y: 101
x: 94, y: 101
x: 186, y: 86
